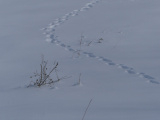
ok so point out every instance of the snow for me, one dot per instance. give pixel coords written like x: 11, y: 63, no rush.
x: 120, y: 74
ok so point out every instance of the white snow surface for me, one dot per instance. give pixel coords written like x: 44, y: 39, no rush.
x: 119, y: 59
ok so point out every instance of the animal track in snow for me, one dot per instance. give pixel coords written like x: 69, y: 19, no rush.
x: 51, y: 37
x: 51, y: 28
x: 109, y: 62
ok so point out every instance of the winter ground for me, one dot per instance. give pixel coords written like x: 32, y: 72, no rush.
x: 120, y: 74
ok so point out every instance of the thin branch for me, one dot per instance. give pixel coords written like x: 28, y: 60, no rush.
x: 41, y: 73
x: 80, y: 78
x: 51, y: 72
x: 90, y: 43
x: 86, y: 109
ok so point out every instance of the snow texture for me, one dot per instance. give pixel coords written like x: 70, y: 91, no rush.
x: 108, y: 49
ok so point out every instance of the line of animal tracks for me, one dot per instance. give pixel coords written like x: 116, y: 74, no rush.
x: 49, y: 31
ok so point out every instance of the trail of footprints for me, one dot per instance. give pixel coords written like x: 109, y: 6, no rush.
x: 127, y: 69
x: 51, y: 28
x: 109, y: 62
x: 51, y: 37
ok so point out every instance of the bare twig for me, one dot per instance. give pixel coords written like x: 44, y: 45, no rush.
x: 89, y: 43
x: 79, y: 79
x: 82, y: 37
x: 86, y: 109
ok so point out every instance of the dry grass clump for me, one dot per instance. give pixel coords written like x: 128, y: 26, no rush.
x: 44, y: 76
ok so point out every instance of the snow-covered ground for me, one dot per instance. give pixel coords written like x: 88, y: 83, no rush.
x: 118, y: 46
